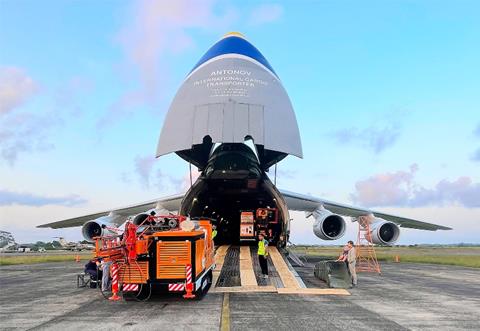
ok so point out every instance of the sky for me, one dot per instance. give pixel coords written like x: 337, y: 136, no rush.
x: 386, y: 94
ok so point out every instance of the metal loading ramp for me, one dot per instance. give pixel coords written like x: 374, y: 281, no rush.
x: 237, y: 270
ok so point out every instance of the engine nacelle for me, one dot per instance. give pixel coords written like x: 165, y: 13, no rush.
x: 98, y: 227
x: 140, y: 218
x: 328, y: 226
x: 384, y: 232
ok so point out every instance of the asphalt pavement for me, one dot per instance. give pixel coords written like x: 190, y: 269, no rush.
x: 405, y: 296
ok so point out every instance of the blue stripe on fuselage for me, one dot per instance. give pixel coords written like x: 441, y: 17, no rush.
x: 234, y: 45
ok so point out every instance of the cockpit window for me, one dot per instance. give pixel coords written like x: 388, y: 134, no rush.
x: 232, y: 157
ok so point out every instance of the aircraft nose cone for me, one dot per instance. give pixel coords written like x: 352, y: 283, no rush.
x: 234, y: 33
x: 234, y: 43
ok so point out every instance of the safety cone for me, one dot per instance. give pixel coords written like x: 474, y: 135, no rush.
x: 77, y: 258
x: 189, y: 294
x: 397, y: 259
x: 188, y: 283
x: 115, y: 296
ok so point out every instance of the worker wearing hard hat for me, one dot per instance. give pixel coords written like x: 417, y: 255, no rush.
x: 263, y: 254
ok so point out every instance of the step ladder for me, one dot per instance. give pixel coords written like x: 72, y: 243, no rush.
x: 293, y: 256
x: 366, y: 256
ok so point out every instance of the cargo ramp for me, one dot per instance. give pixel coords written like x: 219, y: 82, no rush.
x: 237, y: 270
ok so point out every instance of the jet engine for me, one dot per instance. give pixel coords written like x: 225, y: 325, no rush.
x: 98, y: 227
x: 384, y: 232
x: 140, y: 218
x: 328, y: 226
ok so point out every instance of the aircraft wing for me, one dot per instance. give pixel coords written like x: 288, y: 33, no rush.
x: 171, y: 203
x: 307, y: 203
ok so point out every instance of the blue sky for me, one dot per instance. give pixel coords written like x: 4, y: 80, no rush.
x: 386, y: 93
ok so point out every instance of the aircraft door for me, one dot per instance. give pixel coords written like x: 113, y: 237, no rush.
x: 208, y: 120
x: 229, y: 122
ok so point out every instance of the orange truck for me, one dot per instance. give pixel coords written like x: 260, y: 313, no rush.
x: 164, y: 253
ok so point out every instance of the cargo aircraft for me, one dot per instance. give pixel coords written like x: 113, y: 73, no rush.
x: 233, y: 120
x: 73, y: 246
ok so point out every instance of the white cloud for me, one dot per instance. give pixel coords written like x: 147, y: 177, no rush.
x: 374, y: 138
x: 400, y: 189
x: 25, y: 132
x: 150, y: 175
x: 143, y: 168
x: 157, y: 29
x: 16, y: 88
x: 9, y: 198
x: 22, y: 222
x: 385, y: 189
x: 265, y: 13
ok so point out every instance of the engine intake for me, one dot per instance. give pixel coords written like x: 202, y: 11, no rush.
x: 384, y: 232
x: 97, y: 227
x: 140, y: 218
x: 328, y: 226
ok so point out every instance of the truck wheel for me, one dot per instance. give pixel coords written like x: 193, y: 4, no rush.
x: 144, y: 293
x: 207, y: 280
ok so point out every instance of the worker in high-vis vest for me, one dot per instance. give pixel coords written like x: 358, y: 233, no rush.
x: 214, y: 232
x: 263, y: 254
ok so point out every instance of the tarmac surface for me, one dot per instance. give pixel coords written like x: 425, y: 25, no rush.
x: 405, y: 296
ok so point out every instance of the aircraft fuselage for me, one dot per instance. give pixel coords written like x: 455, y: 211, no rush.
x: 233, y: 182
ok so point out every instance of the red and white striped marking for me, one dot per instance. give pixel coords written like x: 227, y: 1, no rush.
x: 114, y: 296
x: 188, y: 282
x: 176, y: 287
x: 130, y: 287
x: 189, y: 273
x: 114, y: 277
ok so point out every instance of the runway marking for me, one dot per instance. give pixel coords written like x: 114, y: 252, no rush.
x: 244, y: 289
x: 288, y: 279
x: 273, y: 289
x: 247, y: 275
x: 314, y: 291
x: 225, y: 320
x: 219, y: 260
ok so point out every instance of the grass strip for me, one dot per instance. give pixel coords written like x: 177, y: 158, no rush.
x: 14, y: 260
x: 465, y: 257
